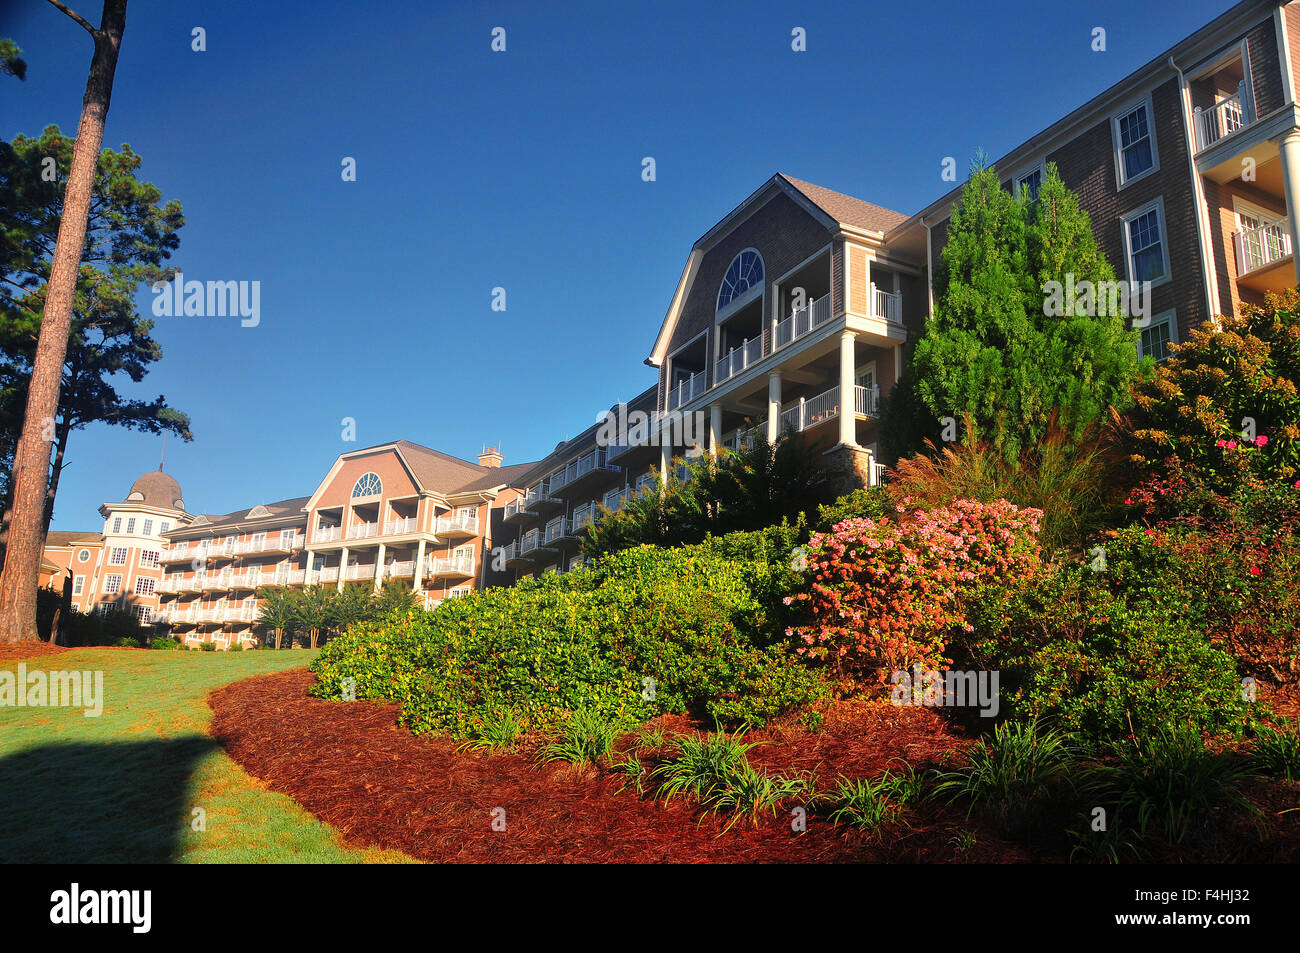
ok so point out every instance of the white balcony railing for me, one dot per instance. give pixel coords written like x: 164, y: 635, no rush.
x: 613, y: 500
x: 556, y: 529
x: 327, y: 534
x: 803, y: 321
x: 877, y: 473
x: 529, y: 541
x: 866, y: 401
x: 687, y: 390
x: 1263, y: 245
x: 587, y: 463
x: 461, y: 565
x: 328, y: 574
x: 583, y: 515
x: 359, y: 571
x: 1223, y: 118
x: 803, y: 413
x: 401, y: 526
x: 516, y: 507
x: 886, y: 305
x: 458, y: 523
x: 737, y: 359
x: 363, y: 530
x: 400, y: 569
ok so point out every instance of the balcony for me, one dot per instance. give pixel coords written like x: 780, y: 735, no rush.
x: 513, y: 556
x: 401, y: 527
x: 1264, y: 255
x: 886, y: 305
x: 741, y: 439
x: 583, y: 516
x: 177, y: 553
x: 538, y: 495
x: 594, y: 461
x: 687, y: 390
x: 530, y: 543
x: 359, y: 572
x: 737, y: 359
x: 328, y: 574
x: 802, y: 415
x: 327, y: 534
x: 363, y: 531
x: 613, y: 500
x: 239, y: 614
x: 517, y: 509
x: 458, y: 524
x: 557, y: 530
x: 400, y: 569
x: 803, y: 322
x: 462, y: 565
x: 1223, y: 118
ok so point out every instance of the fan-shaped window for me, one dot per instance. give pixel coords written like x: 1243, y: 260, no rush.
x: 368, y: 485
x: 744, y: 273
x: 135, y: 497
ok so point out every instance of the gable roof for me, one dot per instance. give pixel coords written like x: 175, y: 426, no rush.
x: 827, y: 206
x: 846, y: 209
x: 72, y: 537
x: 207, y: 522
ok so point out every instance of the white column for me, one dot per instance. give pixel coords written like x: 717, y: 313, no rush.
x: 379, y: 566
x: 773, y: 405
x: 848, y: 395
x: 715, y: 428
x: 665, y: 457
x: 343, y: 566
x: 1290, y: 153
x: 419, y: 567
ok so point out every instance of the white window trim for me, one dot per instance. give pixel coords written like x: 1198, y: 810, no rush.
x: 1040, y: 167
x: 78, y: 585
x: 750, y: 295
x: 668, y: 364
x: 1240, y: 205
x: 1116, y: 141
x: 1170, y: 317
x: 1158, y: 203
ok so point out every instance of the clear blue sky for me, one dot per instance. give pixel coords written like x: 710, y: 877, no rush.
x: 518, y: 169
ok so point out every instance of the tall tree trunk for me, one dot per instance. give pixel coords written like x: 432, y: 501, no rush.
x: 21, y: 575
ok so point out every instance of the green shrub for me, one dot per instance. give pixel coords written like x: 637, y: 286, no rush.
x: 1169, y: 783
x: 867, y: 804
x: 1106, y: 652
x: 498, y: 732
x: 647, y: 631
x: 869, y: 503
x: 129, y: 642
x: 585, y: 739
x: 207, y: 646
x: 162, y: 642
x: 1277, y: 753
x: 1022, y: 761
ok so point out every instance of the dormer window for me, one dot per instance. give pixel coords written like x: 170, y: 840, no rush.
x: 743, y: 275
x: 368, y: 485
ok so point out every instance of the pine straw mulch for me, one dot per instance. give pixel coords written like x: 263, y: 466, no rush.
x: 21, y: 651
x: 353, y: 767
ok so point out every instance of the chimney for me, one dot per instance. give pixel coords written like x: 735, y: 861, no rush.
x: 490, y: 457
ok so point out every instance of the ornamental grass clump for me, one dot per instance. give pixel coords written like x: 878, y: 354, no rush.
x: 883, y: 595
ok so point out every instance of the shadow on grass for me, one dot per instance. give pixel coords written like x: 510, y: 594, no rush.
x: 115, y: 802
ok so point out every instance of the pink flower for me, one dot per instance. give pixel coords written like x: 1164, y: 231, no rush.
x: 1231, y: 445
x: 1261, y: 441
x: 1130, y: 502
x: 1220, y: 443
x: 1254, y: 570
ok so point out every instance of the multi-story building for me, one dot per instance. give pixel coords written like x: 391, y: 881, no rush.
x: 793, y: 315
x: 121, y: 565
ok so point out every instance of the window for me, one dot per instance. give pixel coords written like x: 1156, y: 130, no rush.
x: 113, y: 584
x: 149, y: 558
x: 83, y: 556
x: 164, y: 527
x: 117, y: 556
x: 143, y: 613
x: 1144, y: 245
x: 744, y: 274
x: 466, y: 512
x: 117, y: 524
x: 78, y: 585
x: 368, y: 485
x: 286, y: 538
x: 465, y: 552
x: 144, y: 586
x: 1157, y: 335
x: 148, y: 527
x: 130, y: 526
x: 1135, y: 151
x: 1031, y: 181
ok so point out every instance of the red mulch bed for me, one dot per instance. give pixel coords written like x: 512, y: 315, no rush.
x: 353, y: 767
x: 20, y: 651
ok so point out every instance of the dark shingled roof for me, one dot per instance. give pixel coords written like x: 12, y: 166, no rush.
x: 277, y: 510
x: 72, y: 537
x: 846, y: 209
x: 157, y: 489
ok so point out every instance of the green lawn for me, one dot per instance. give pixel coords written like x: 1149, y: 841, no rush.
x: 123, y: 787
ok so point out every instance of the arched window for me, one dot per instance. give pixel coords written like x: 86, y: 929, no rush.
x: 368, y: 485
x: 744, y: 273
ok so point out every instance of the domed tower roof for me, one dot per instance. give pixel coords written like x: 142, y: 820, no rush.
x: 156, y: 488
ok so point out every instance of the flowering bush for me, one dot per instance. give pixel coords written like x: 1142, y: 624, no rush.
x: 885, y: 594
